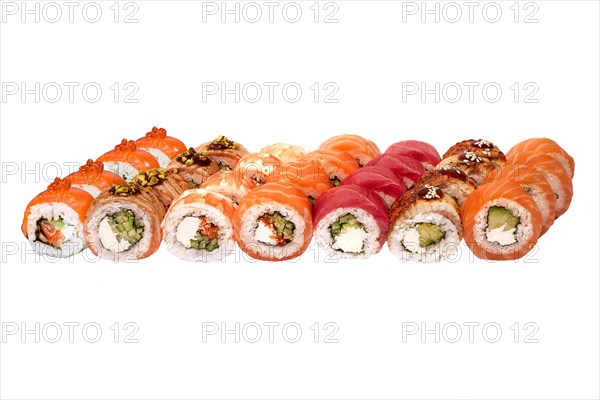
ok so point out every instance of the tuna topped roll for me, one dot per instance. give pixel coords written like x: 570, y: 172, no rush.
x: 419, y: 151
x: 378, y: 180
x: 351, y: 222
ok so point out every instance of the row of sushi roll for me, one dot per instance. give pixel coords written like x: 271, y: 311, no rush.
x: 347, y: 194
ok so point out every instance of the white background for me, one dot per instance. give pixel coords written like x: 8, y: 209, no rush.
x: 369, y: 53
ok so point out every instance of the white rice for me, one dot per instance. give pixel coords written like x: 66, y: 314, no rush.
x: 162, y: 158
x: 326, y: 241
x: 408, y: 250
x: 72, y: 245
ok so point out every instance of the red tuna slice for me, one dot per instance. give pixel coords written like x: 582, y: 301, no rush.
x: 423, y: 152
x: 377, y: 180
x: 354, y: 196
x: 405, y: 168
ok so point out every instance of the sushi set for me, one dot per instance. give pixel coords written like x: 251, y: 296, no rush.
x: 347, y: 195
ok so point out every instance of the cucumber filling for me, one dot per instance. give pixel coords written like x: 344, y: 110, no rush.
x: 501, y: 226
x: 273, y: 229
x: 119, y: 231
x: 425, y: 234
x: 198, y: 233
x: 53, y: 231
x: 348, y: 234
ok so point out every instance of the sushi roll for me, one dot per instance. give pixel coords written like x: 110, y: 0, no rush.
x: 425, y: 225
x: 405, y: 168
x: 274, y: 222
x: 194, y: 167
x: 260, y: 167
x: 336, y: 164
x: 164, y: 148
x: 351, y: 221
x: 287, y: 153
x: 534, y: 182
x: 52, y: 221
x: 361, y: 149
x: 476, y: 167
x: 378, y: 180
x: 307, y: 175
x: 229, y: 184
x: 481, y: 147
x: 453, y: 181
x: 225, y: 152
x: 501, y: 221
x: 127, y: 160
x: 422, y: 152
x: 198, y: 226
x: 123, y: 223
x: 547, y: 146
x: 167, y: 185
x: 93, y: 178
x: 553, y: 171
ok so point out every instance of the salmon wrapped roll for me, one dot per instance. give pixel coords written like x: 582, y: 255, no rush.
x: 422, y: 152
x: 198, y: 226
x: 287, y: 153
x: 93, y: 178
x: 167, y: 185
x: 501, y: 221
x: 361, y: 149
x: 123, y: 223
x: 553, y: 171
x: 425, y: 225
x: 378, y: 180
x: 274, y: 222
x: 336, y: 164
x: 476, y: 167
x: 547, y: 146
x: 127, y: 160
x: 481, y: 147
x: 225, y: 152
x: 195, y: 168
x: 534, y: 182
x: 406, y: 169
x: 452, y: 181
x: 229, y: 184
x: 53, y: 219
x: 260, y: 167
x: 308, y: 175
x: 164, y: 148
x: 351, y: 221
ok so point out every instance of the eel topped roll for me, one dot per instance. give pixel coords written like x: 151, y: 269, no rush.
x: 127, y: 160
x: 501, y: 221
x: 198, y: 226
x: 53, y: 219
x: 351, y: 222
x: 425, y: 225
x: 476, y: 167
x: 274, y: 222
x: 453, y: 181
x: 287, y: 153
x: 422, y: 152
x: 164, y: 148
x: 93, y: 178
x: 229, y: 184
x: 483, y: 148
x: 123, y: 223
x: 194, y: 167
x: 337, y: 164
x: 260, y: 167
x: 360, y: 148
x: 225, y: 152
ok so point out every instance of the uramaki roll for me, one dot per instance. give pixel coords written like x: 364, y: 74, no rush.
x: 198, y: 226
x: 547, y: 146
x: 260, y: 167
x: 126, y: 160
x: 351, y: 221
x: 167, y: 185
x: 229, y: 184
x: 406, y: 169
x: 287, y: 153
x: 164, y: 148
x: 337, y: 164
x: 425, y: 225
x: 476, y: 167
x: 93, y: 178
x: 53, y: 219
x: 453, y: 181
x: 422, y: 152
x: 308, y: 175
x: 225, y: 152
x: 194, y: 167
x: 123, y: 223
x: 274, y: 222
x: 378, y: 180
x: 501, y: 221
x: 360, y: 148
x: 483, y: 148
